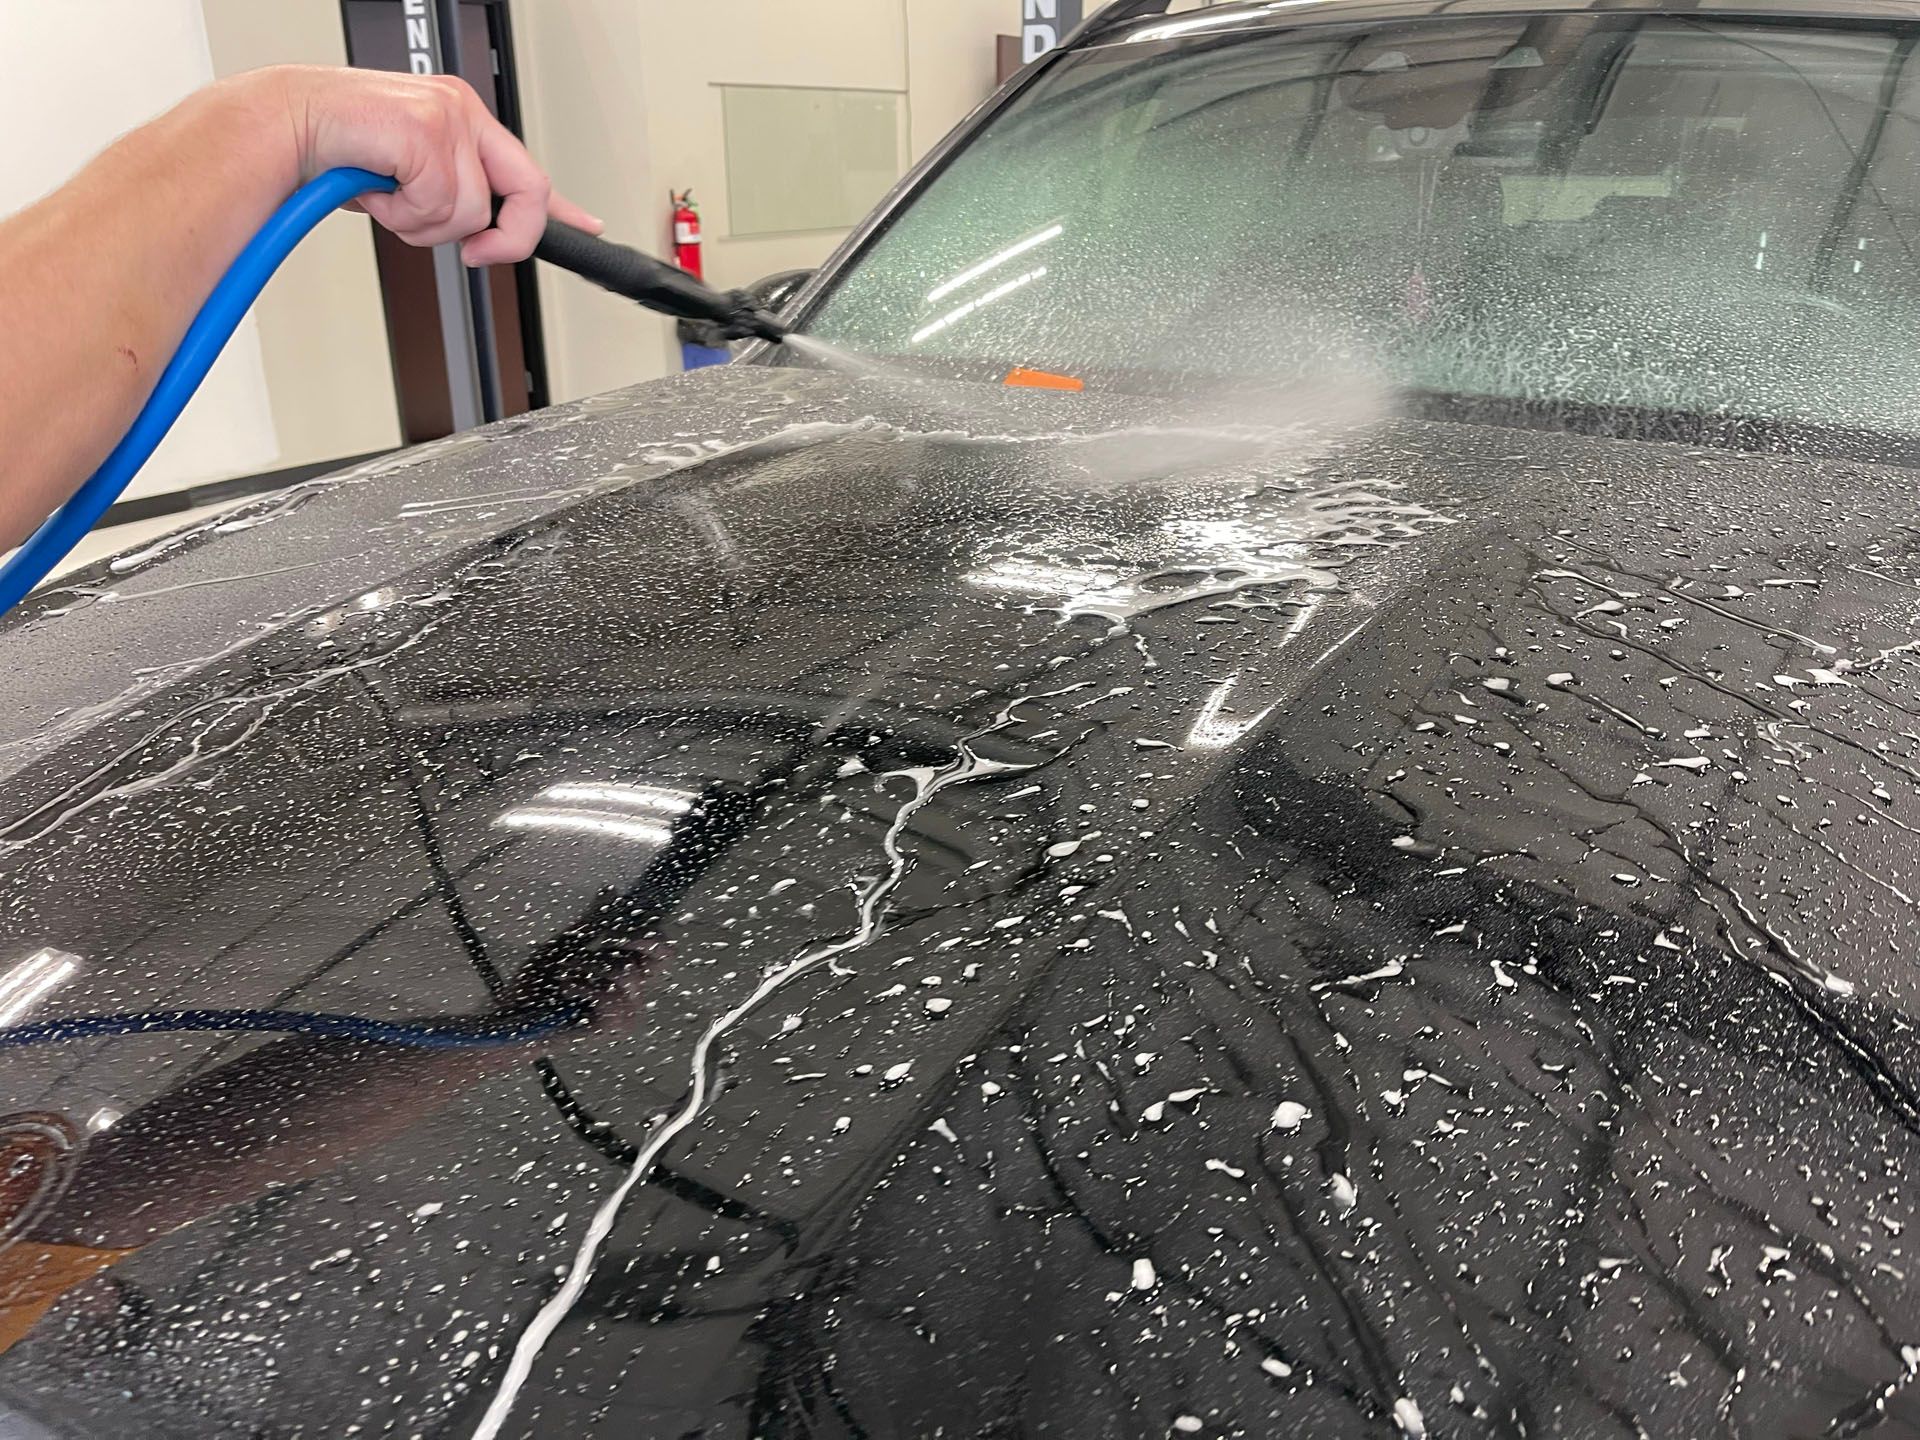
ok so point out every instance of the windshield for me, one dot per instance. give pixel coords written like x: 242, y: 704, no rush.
x: 1658, y: 213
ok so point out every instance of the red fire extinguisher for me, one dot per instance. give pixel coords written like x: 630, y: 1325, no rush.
x: 686, y: 234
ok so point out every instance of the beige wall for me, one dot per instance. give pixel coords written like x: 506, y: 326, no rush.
x: 581, y: 67
x: 953, y: 61
x: 623, y: 105
x: 323, y: 335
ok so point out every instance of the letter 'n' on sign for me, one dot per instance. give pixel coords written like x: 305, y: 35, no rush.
x: 1043, y: 24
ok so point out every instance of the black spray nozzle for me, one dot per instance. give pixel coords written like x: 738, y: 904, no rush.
x: 654, y: 283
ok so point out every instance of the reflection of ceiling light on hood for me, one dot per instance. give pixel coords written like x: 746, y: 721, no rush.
x: 999, y: 292
x: 640, y: 813
x: 1037, y: 579
x: 371, y: 603
x: 1212, y: 730
x: 994, y: 262
x: 627, y: 797
x: 647, y: 832
x: 33, y: 980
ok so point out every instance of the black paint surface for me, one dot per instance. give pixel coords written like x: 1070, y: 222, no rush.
x: 1446, y: 963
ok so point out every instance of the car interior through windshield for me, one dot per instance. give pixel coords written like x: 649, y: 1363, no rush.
x: 1568, y: 214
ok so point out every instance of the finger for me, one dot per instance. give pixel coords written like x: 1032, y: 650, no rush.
x: 473, y: 202
x: 523, y: 188
x: 463, y: 183
x: 424, y: 205
x: 561, y: 208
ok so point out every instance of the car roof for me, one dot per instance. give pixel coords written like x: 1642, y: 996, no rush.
x: 1133, y: 21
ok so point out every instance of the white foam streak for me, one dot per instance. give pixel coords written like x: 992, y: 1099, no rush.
x: 927, y: 782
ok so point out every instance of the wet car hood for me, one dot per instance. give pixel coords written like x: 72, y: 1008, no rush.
x: 1341, y: 926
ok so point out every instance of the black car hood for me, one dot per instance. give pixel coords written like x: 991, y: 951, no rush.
x: 1298, y: 930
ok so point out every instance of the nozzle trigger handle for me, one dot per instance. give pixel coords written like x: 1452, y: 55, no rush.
x: 625, y: 271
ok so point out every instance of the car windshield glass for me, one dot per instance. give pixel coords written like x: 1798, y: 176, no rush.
x: 1683, y: 215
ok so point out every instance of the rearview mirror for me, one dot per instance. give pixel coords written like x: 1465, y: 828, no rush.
x: 1416, y: 81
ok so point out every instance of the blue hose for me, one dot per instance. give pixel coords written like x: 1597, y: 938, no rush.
x: 209, y: 333
x: 481, y: 1033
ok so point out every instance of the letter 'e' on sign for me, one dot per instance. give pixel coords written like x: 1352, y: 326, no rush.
x: 1044, y: 24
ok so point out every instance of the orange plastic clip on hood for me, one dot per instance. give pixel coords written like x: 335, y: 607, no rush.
x: 1042, y: 379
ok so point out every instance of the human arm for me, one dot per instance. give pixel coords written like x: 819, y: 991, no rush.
x: 99, y: 280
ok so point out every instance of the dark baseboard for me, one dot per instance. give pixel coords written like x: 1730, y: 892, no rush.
x: 220, y: 492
